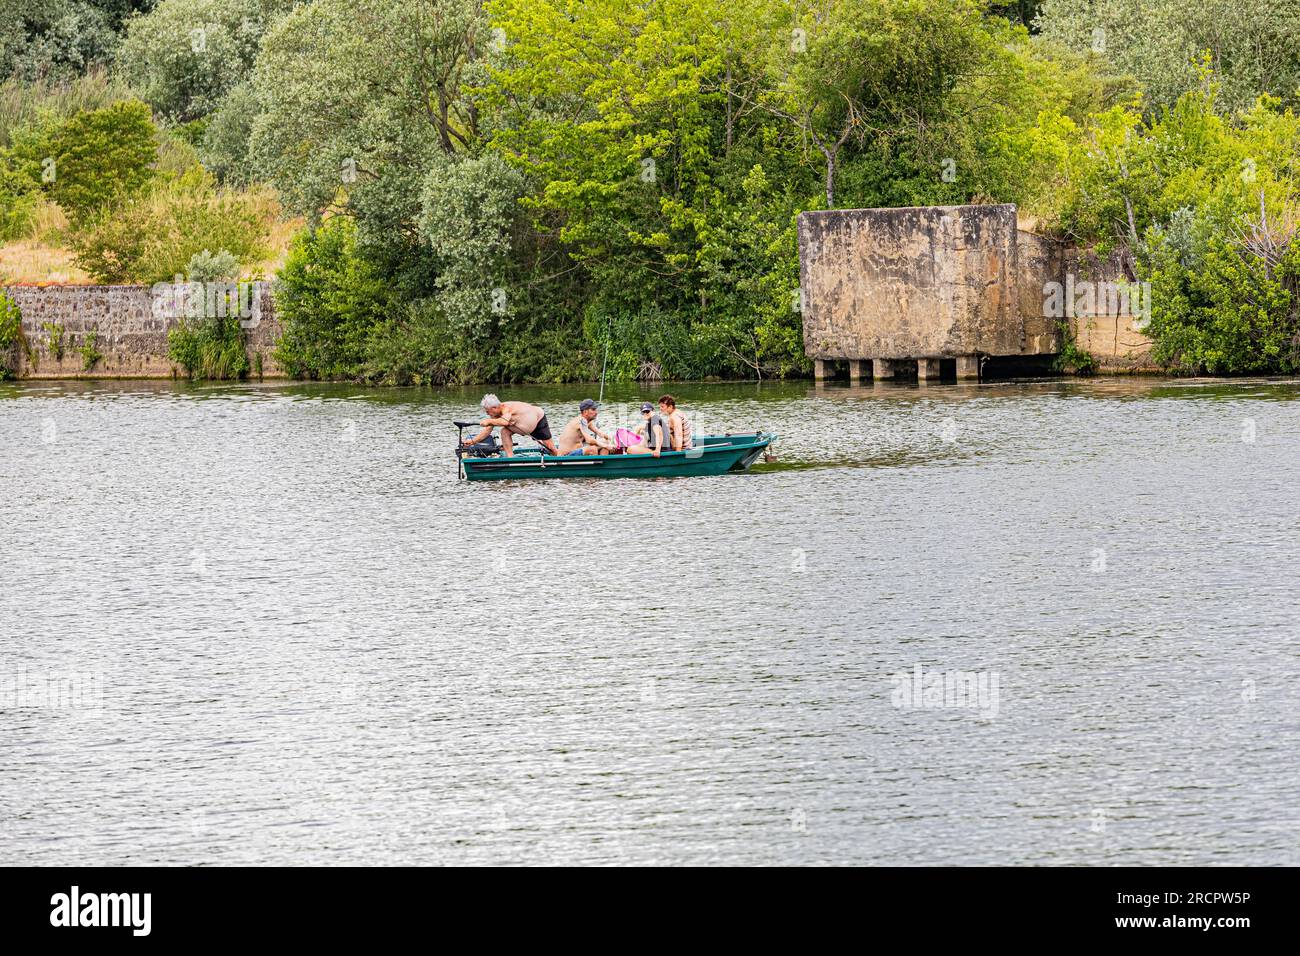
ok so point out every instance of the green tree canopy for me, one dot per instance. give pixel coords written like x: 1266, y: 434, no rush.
x: 184, y: 55
x: 1253, y: 48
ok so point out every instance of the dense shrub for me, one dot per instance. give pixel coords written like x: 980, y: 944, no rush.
x: 418, y: 347
x: 329, y: 298
x: 1236, y: 312
x: 1204, y: 206
x: 85, y: 163
x: 18, y: 205
x: 152, y: 236
x: 209, y: 266
x: 100, y: 157
x: 11, y: 334
x: 212, y: 347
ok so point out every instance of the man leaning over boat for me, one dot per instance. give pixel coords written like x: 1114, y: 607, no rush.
x: 514, y: 418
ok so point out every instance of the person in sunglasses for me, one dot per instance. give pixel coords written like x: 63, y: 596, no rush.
x: 655, y: 429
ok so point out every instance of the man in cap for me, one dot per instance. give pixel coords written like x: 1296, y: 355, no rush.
x: 581, y: 436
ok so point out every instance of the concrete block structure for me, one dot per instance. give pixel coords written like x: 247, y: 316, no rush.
x: 914, y: 288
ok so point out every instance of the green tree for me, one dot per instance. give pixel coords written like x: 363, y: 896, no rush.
x: 471, y: 214
x: 863, y: 71
x: 99, y: 157
x: 185, y: 55
x: 330, y: 299
x: 58, y: 39
x: 362, y: 96
x: 224, y: 148
x: 1253, y: 48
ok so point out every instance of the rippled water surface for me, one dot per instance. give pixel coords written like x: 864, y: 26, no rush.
x: 300, y: 639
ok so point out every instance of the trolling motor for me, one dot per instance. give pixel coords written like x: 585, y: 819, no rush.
x: 484, y: 449
x: 487, y: 448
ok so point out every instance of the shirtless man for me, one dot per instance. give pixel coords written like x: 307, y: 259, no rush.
x: 514, y: 418
x: 581, y: 436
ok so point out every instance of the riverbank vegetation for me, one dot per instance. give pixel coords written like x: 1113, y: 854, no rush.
x: 536, y: 189
x: 11, y: 335
x: 94, y: 188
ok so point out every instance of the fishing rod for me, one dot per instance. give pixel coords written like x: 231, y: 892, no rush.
x: 609, y: 329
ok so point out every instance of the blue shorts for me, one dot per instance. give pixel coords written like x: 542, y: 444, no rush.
x: 576, y: 451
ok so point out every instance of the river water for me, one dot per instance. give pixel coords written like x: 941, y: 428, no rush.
x: 266, y: 624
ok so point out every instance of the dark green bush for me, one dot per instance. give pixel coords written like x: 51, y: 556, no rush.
x: 329, y: 299
x: 209, y: 348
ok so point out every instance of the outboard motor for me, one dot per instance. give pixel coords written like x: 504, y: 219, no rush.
x: 487, y: 448
x: 484, y: 449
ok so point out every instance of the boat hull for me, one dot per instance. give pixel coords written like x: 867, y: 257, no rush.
x: 716, y: 456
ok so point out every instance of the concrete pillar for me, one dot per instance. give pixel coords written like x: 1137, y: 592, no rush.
x: 968, y: 366
x: 821, y: 369
x: 927, y: 369
x: 884, y: 368
x: 857, y: 370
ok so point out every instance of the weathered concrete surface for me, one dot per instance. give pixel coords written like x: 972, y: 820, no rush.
x: 130, y: 332
x: 1110, y: 332
x: 921, y: 283
x: 916, y: 282
x: 1039, y: 260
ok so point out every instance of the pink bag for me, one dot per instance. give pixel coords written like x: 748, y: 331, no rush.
x: 626, y: 438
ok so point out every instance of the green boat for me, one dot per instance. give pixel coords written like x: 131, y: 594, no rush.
x: 712, y: 455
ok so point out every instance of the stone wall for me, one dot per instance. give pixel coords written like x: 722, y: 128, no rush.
x: 130, y: 325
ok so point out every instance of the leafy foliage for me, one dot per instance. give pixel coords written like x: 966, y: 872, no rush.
x: 208, y: 266
x: 57, y: 39
x: 89, y: 349
x: 225, y: 143
x: 11, y: 332
x: 1206, y: 210
x: 185, y: 55
x: 152, y: 236
x: 85, y: 163
x: 469, y: 217
x: 1252, y: 48
x: 512, y: 189
x: 100, y: 157
x: 329, y: 298
x: 212, y: 347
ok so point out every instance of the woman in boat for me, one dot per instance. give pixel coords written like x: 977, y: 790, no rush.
x: 679, y: 427
x: 657, y: 432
